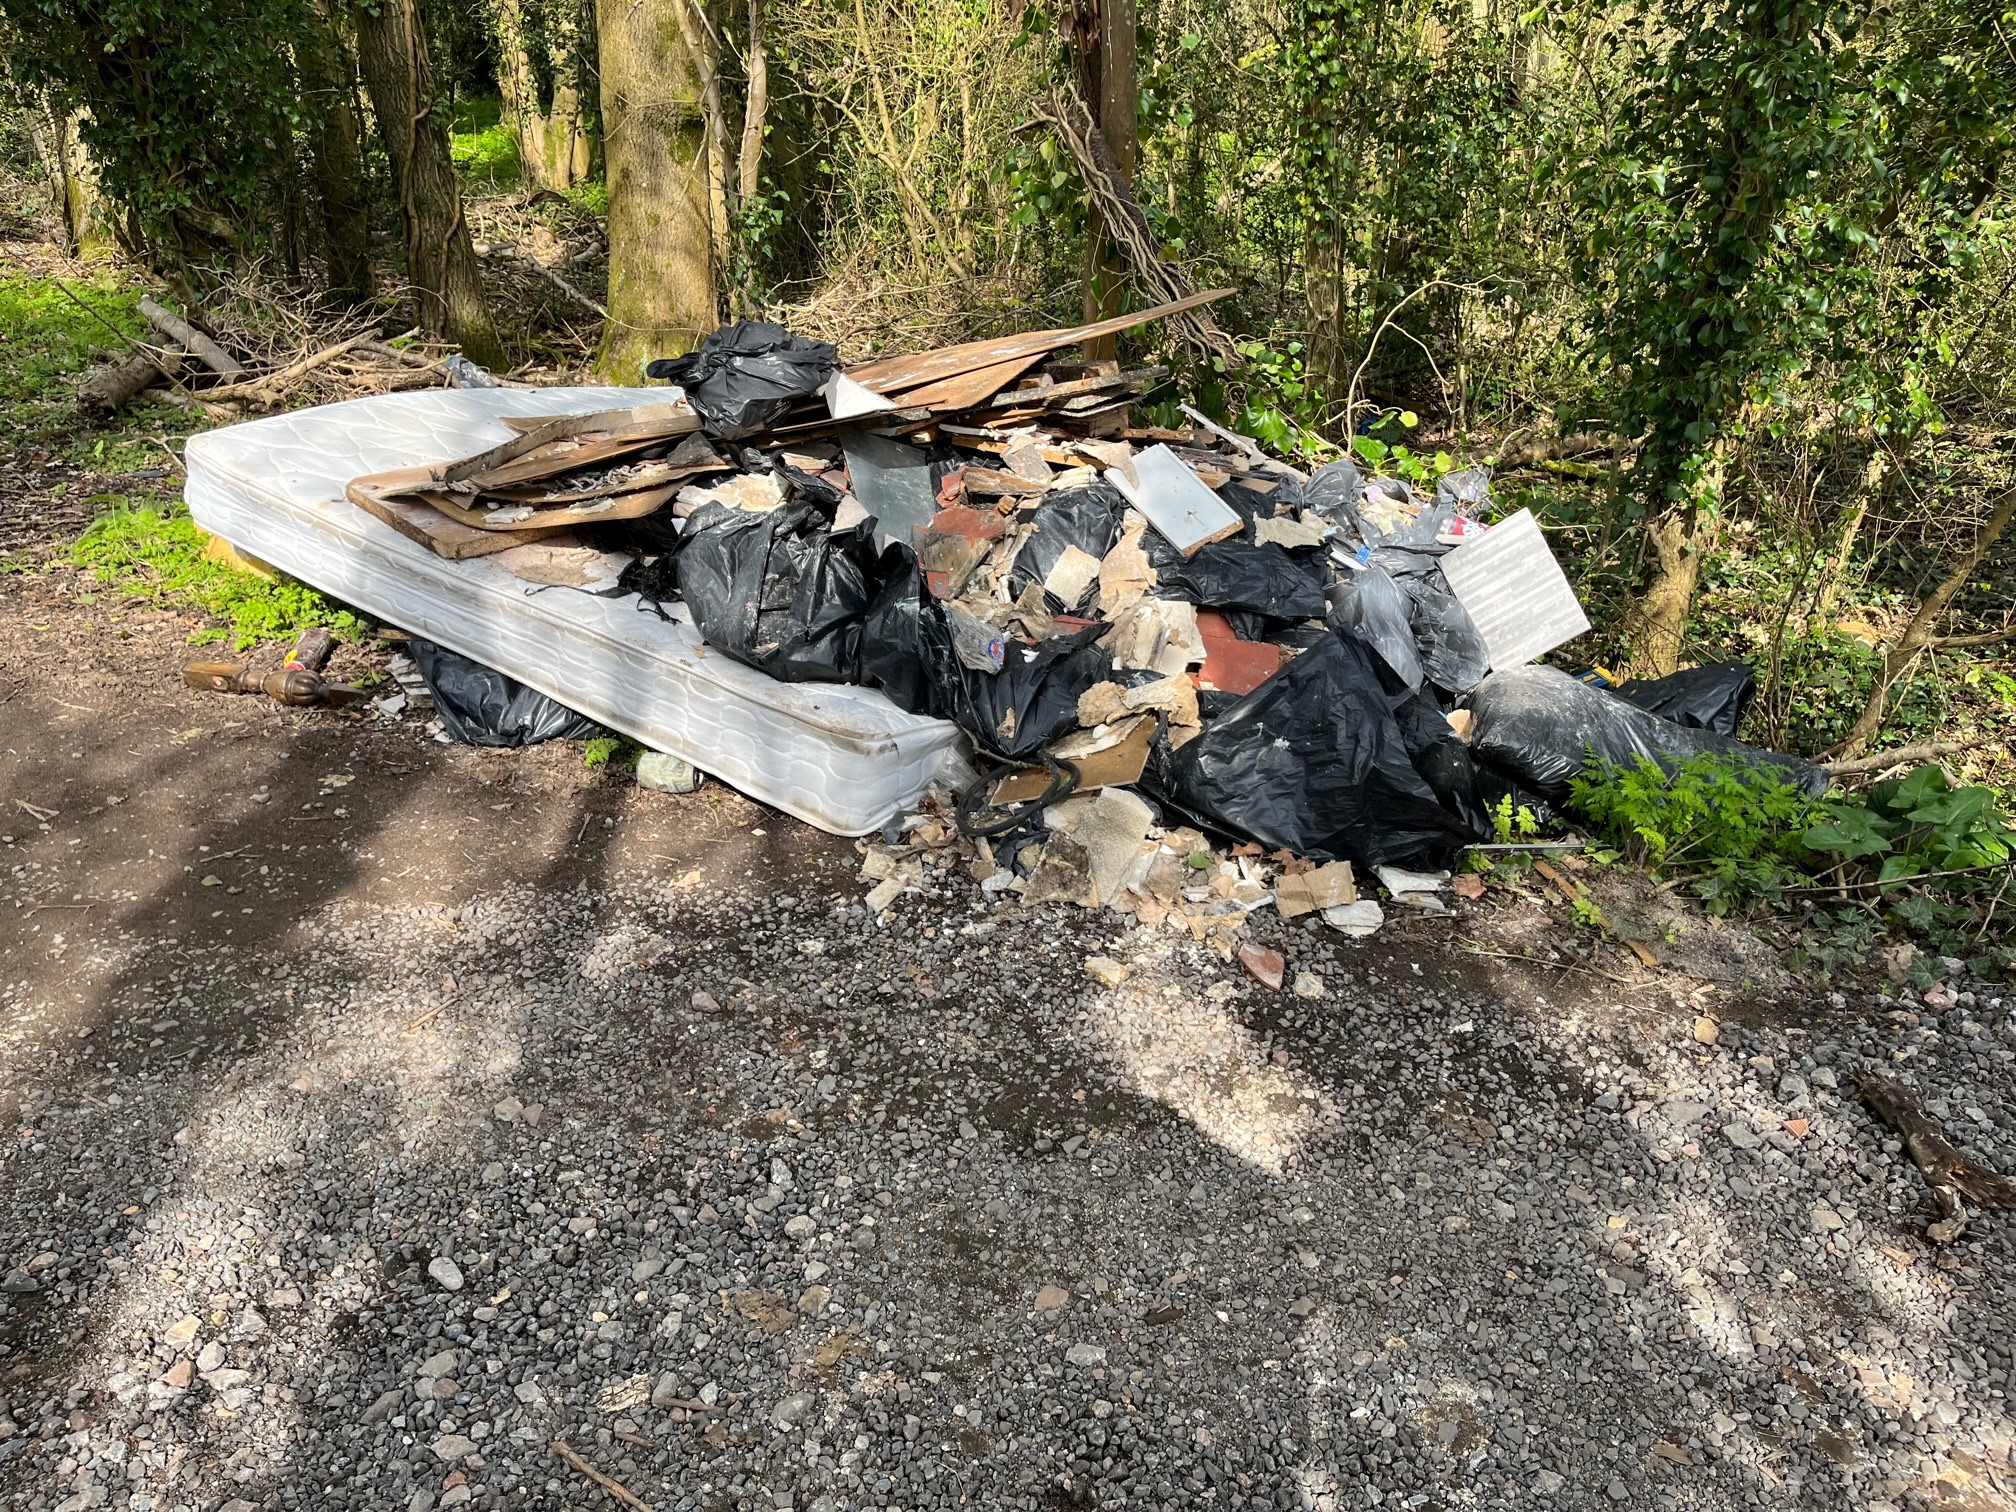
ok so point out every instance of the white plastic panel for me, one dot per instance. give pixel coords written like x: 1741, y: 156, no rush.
x: 840, y: 757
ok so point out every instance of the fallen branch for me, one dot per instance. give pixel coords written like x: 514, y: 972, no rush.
x: 269, y: 386
x: 1930, y: 750
x: 519, y: 254
x: 1549, y: 449
x: 1877, y: 884
x: 111, y: 386
x: 615, y: 1488
x: 1951, y: 1175
x: 201, y: 347
x: 1990, y: 638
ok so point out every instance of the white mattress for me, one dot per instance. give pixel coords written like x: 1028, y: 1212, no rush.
x: 843, y: 758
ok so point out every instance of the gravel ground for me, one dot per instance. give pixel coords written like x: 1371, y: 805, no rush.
x: 517, y: 1106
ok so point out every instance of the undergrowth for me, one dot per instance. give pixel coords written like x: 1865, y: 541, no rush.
x: 481, y: 145
x: 156, y: 553
x: 45, y: 335
x: 1918, y: 853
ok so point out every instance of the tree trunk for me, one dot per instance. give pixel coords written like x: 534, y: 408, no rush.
x: 73, y: 183
x: 520, y: 89
x: 440, y: 263
x: 1114, y: 95
x: 335, y: 144
x: 654, y: 143
x: 1681, y: 535
x: 1919, y: 634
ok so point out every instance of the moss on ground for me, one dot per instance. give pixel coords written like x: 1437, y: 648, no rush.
x: 153, y: 551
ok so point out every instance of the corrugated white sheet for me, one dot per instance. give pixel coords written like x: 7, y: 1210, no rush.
x: 843, y: 758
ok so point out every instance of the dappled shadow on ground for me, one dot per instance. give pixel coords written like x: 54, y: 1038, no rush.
x: 894, y: 1211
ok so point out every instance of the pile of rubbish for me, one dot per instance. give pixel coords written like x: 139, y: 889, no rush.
x: 1156, y: 639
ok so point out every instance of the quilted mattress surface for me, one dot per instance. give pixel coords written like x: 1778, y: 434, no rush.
x: 842, y: 758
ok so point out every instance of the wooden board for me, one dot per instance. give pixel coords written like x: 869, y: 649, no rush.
x: 629, y: 506
x: 435, y: 531
x: 893, y: 374
x: 968, y: 390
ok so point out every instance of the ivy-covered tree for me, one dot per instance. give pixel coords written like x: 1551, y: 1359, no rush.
x: 1741, y: 214
x: 188, y: 107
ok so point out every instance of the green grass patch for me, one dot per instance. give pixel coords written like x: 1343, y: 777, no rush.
x: 155, y: 553
x: 45, y: 337
x: 482, y: 146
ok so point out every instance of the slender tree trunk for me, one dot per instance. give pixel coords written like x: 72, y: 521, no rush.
x: 335, y: 144
x: 440, y: 263
x: 749, y: 163
x: 1919, y: 634
x: 565, y: 145
x: 73, y: 182
x: 1843, y: 554
x: 520, y: 89
x: 1681, y: 537
x: 1113, y: 92
x: 654, y: 143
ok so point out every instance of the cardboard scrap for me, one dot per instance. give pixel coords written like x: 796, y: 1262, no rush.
x: 1331, y: 886
x: 1107, y: 756
x: 1279, y: 530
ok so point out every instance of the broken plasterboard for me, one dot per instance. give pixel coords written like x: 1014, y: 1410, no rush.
x: 1515, y: 592
x: 848, y: 400
x: 1175, y: 500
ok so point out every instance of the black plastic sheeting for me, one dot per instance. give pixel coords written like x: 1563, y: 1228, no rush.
x: 1703, y: 698
x: 1453, y: 653
x: 1270, y: 580
x: 1313, y: 761
x: 744, y: 376
x: 781, y: 592
x: 1535, y: 725
x: 1088, y: 518
x: 1369, y: 606
x: 481, y: 707
x: 1011, y: 714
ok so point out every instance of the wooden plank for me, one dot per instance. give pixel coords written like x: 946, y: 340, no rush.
x: 1139, y: 377
x: 435, y: 531
x: 895, y: 373
x: 969, y: 390
x: 630, y: 506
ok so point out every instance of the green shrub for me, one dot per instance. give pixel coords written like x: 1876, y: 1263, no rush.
x: 1737, y: 828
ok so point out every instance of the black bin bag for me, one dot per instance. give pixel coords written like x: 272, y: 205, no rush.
x: 1453, y: 653
x: 1270, y: 581
x: 1369, y: 606
x: 744, y: 376
x: 1011, y: 714
x: 1088, y: 518
x: 482, y: 707
x: 1312, y: 761
x: 1703, y: 698
x: 781, y: 592
x: 1535, y: 726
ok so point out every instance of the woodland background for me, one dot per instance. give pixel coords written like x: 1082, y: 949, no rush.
x: 1726, y: 289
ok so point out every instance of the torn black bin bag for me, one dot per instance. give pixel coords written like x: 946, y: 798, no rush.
x: 1536, y: 725
x: 1443, y: 762
x: 1267, y: 580
x: 1088, y: 518
x: 1702, y: 698
x: 1453, y: 654
x: 1011, y: 714
x: 482, y: 707
x: 1313, y: 762
x: 1369, y: 606
x: 1333, y: 491
x: 746, y: 375
x: 782, y: 592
